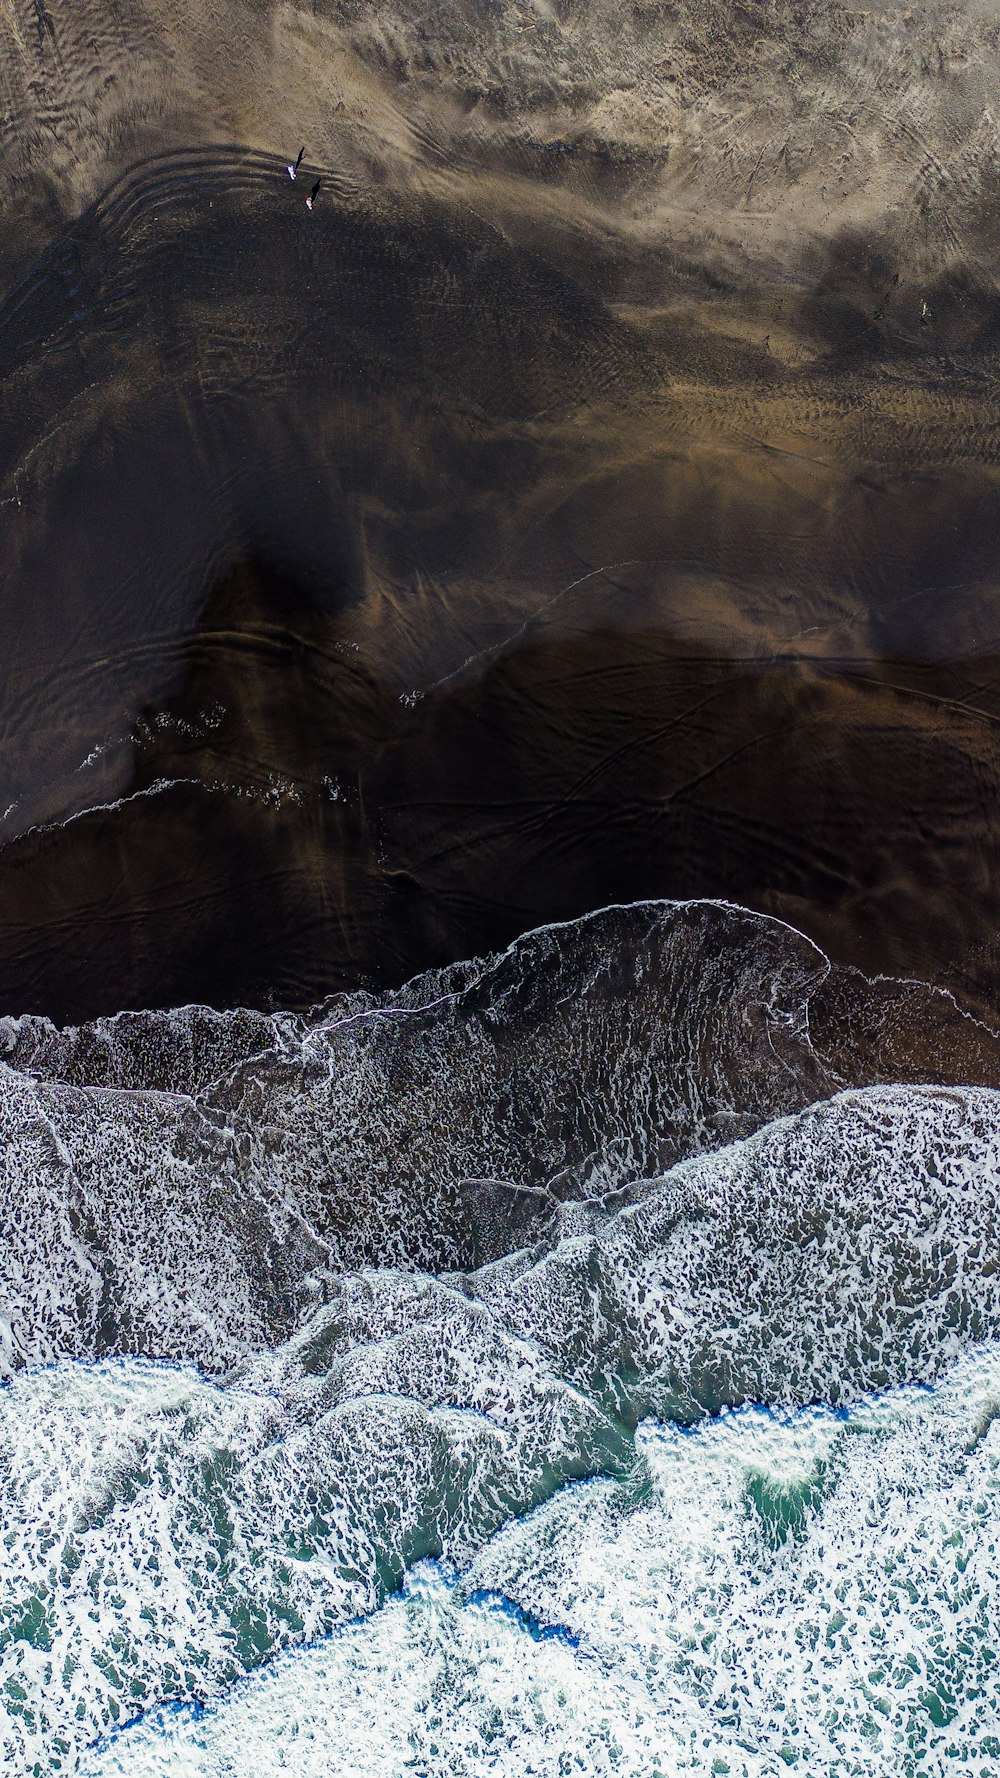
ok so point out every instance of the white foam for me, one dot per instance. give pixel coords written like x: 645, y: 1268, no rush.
x: 165, y: 1532
x: 133, y: 1219
x: 718, y: 1618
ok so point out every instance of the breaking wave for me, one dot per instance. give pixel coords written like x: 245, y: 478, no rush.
x: 584, y: 1359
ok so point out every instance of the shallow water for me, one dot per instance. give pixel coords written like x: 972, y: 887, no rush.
x: 772, y: 1588
x: 434, y: 1377
x: 583, y: 1357
x: 380, y: 584
x: 768, y: 1591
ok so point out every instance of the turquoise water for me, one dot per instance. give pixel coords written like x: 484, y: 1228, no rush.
x: 808, y: 1587
x: 561, y: 1501
x: 807, y: 1591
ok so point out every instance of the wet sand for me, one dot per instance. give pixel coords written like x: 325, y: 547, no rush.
x: 596, y: 497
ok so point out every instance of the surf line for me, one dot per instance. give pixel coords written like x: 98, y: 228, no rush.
x: 384, y: 1012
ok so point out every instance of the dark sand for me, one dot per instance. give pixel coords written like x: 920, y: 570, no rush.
x: 597, y: 497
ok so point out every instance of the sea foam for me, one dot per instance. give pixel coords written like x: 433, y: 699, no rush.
x: 771, y: 1591
x: 432, y: 1378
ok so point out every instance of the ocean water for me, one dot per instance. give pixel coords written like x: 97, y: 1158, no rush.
x: 771, y: 1591
x: 581, y: 1360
